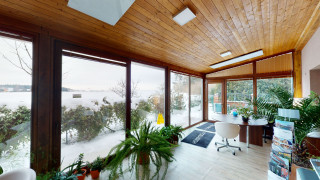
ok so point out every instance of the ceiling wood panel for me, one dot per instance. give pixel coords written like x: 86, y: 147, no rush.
x: 147, y: 28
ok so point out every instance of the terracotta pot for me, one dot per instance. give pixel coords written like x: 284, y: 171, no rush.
x: 83, y: 174
x: 293, y: 173
x: 175, y: 138
x: 95, y: 174
x: 143, y: 158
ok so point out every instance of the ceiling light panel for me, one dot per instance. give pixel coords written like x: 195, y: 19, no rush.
x: 227, y: 53
x: 108, y: 11
x: 184, y: 16
x: 238, y: 59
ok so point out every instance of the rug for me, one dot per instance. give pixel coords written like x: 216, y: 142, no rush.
x: 208, y: 127
x: 199, y: 138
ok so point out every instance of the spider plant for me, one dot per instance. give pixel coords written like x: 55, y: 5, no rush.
x: 172, y: 133
x: 138, y: 149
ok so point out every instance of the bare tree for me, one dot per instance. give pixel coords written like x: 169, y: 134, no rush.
x: 20, y: 62
x: 120, y: 89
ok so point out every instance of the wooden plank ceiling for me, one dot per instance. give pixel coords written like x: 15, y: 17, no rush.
x: 147, y: 28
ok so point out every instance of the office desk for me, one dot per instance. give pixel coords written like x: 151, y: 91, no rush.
x: 250, y: 132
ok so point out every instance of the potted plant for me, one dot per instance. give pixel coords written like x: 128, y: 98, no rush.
x: 141, y: 147
x: 245, y: 112
x: 96, y: 167
x: 172, y: 133
x: 309, y: 109
x: 79, y: 171
x: 65, y: 174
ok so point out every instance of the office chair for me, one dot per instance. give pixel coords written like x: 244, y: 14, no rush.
x: 227, y: 131
x: 267, y: 132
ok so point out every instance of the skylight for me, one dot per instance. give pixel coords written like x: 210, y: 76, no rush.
x: 108, y: 11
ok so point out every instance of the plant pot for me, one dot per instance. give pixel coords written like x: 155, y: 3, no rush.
x: 245, y: 119
x: 95, y: 174
x: 81, y: 177
x: 143, y: 158
x: 293, y: 173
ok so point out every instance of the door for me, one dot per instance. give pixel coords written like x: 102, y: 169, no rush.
x: 215, y: 99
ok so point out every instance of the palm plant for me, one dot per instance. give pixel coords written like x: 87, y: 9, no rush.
x: 309, y: 109
x: 140, y: 146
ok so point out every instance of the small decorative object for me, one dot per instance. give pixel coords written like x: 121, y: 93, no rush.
x: 160, y: 119
x: 96, y: 167
x: 245, y: 113
x: 234, y: 112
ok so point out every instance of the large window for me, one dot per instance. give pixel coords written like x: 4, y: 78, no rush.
x: 264, y: 85
x: 93, y: 108
x: 196, y: 100
x: 238, y: 94
x: 148, y: 95
x: 214, y: 100
x: 15, y: 103
x: 179, y: 100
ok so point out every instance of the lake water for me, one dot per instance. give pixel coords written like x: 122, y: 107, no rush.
x: 15, y: 99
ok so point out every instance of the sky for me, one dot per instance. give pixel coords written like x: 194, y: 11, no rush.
x: 78, y: 74
x: 9, y: 74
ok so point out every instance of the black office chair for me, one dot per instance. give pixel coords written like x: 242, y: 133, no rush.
x: 267, y: 132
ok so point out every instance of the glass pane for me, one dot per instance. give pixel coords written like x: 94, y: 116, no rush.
x: 15, y: 103
x: 214, y: 100
x: 148, y: 95
x: 238, y: 92
x: 179, y: 100
x: 196, y: 100
x: 264, y: 85
x: 93, y: 108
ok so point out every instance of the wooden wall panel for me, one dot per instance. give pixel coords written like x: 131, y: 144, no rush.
x: 280, y: 63
x: 240, y: 70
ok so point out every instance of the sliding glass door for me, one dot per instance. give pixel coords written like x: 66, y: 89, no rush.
x: 93, y: 108
x: 16, y: 63
x: 215, y: 100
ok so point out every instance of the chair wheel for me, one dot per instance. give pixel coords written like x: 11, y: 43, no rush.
x: 239, y: 149
x: 234, y: 140
x: 215, y: 143
x: 234, y: 153
x: 218, y: 149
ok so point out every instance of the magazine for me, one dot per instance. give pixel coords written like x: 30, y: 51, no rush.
x: 279, y: 151
x: 283, y: 143
x: 286, y: 125
x: 283, y: 134
x: 282, y: 162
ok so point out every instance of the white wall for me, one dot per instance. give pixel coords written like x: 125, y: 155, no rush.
x: 310, y: 57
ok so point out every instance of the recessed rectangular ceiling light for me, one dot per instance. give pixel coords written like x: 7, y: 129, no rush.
x: 238, y: 59
x: 184, y: 16
x: 227, y: 53
x: 108, y: 11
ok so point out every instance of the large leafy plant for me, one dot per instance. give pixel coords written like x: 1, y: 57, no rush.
x: 142, y: 146
x: 171, y: 133
x: 309, y: 109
